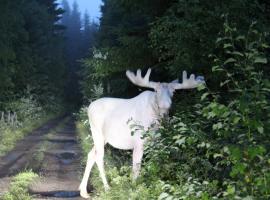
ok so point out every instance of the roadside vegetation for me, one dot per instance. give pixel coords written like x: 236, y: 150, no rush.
x: 19, y: 186
x: 26, y: 115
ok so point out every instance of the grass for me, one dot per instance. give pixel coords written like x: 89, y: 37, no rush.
x: 10, y: 136
x: 19, y: 186
x: 118, y: 173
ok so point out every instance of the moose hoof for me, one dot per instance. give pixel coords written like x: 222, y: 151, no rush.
x: 84, y: 194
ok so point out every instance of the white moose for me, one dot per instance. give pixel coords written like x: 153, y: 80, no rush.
x: 108, y: 118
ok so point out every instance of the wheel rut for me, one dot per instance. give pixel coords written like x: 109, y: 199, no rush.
x: 51, y: 151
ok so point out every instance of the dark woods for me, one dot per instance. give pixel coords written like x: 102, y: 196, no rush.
x: 40, y: 47
x: 79, y: 36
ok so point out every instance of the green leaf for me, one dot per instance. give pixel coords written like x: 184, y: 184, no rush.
x: 237, y: 53
x: 216, y: 155
x: 181, y: 141
x: 224, y: 83
x: 260, y: 129
x: 225, y: 46
x: 231, y: 189
x: 217, y: 68
x: 241, y: 37
x: 163, y: 196
x: 236, y: 120
x: 201, y: 87
x: 217, y: 126
x: 237, y: 169
x: 229, y: 60
x: 265, y: 45
x: 260, y: 60
x: 204, y: 95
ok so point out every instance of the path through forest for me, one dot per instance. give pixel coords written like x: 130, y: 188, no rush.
x: 51, y: 151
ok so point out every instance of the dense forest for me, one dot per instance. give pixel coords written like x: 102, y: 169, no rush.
x: 41, y: 45
x: 214, y: 145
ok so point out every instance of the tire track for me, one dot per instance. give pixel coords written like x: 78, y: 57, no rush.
x: 60, y: 164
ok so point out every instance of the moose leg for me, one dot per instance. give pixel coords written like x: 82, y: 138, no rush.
x: 137, y: 158
x: 90, y: 162
x: 100, y: 164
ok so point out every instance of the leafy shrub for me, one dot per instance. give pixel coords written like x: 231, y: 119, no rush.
x: 216, y: 144
x: 222, y: 140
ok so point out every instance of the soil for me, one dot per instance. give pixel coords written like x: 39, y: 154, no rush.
x: 53, y: 152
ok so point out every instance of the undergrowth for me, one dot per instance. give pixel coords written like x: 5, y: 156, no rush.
x: 30, y: 115
x: 216, y: 143
x: 118, y: 172
x: 19, y: 186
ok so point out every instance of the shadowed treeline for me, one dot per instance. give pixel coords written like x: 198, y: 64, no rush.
x: 41, y: 44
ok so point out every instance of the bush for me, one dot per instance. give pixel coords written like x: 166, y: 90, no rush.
x: 222, y: 141
x: 216, y: 144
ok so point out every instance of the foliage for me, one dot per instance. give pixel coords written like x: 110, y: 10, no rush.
x: 215, y: 146
x: 31, y: 52
x: 221, y: 142
x: 169, y: 36
x: 19, y: 186
x: 185, y: 35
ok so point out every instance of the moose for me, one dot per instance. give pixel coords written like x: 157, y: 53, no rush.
x: 108, y: 118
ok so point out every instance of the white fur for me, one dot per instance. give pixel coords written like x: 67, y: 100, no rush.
x: 108, y: 118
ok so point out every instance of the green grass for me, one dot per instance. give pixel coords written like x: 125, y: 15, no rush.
x: 10, y: 136
x: 19, y: 186
x: 118, y: 173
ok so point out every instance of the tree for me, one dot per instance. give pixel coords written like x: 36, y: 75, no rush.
x: 79, y: 40
x: 32, y: 50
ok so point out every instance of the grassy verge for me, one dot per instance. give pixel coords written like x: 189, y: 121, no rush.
x: 10, y: 136
x: 19, y: 186
x: 118, y: 172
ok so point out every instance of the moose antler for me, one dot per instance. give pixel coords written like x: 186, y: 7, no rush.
x: 139, y: 80
x: 189, y: 83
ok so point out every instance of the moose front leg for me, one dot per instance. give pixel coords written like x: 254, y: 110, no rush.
x: 137, y: 159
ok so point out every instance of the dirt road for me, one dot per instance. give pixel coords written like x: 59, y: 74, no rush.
x: 51, y: 151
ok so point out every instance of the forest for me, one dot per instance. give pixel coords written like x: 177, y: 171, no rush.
x: 215, y: 144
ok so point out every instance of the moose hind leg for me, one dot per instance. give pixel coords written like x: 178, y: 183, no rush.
x: 90, y: 162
